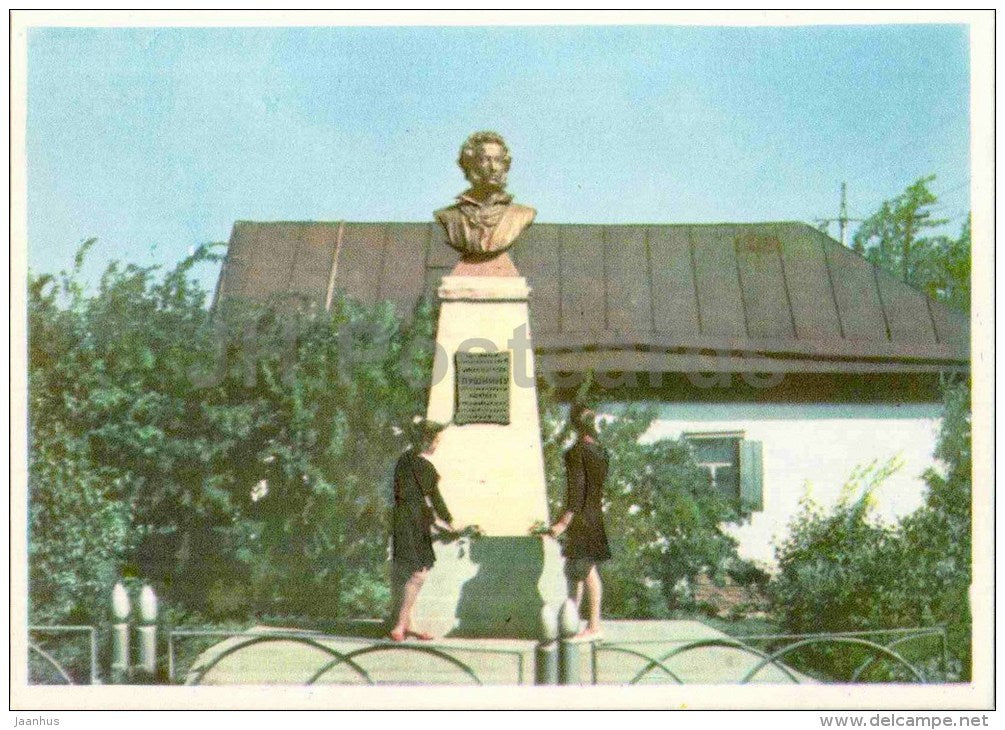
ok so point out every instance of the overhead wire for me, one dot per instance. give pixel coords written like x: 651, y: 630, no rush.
x: 888, y: 156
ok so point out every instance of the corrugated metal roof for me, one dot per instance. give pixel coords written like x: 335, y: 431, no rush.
x: 779, y: 296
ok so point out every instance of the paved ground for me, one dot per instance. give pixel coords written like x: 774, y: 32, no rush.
x: 624, y: 655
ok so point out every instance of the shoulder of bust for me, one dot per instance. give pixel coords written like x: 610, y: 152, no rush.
x: 524, y: 211
x: 444, y: 214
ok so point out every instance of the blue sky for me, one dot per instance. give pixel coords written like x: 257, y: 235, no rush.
x: 155, y: 140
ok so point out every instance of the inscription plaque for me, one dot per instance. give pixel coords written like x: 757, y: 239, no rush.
x: 482, y: 387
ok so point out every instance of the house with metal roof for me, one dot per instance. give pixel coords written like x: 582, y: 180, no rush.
x: 786, y: 358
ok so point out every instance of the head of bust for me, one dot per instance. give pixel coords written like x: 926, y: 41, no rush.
x: 485, y: 160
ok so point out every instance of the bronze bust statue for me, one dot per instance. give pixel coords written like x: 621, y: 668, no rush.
x: 484, y: 221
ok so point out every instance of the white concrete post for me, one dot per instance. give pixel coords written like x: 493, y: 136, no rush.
x: 148, y: 632
x: 120, y: 634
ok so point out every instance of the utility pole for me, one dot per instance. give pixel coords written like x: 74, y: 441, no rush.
x: 843, y: 214
x: 842, y: 220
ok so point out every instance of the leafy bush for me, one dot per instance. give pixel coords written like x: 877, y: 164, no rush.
x: 936, y: 539
x: 238, y: 459
x: 79, y: 524
x: 831, y: 564
x: 841, y: 570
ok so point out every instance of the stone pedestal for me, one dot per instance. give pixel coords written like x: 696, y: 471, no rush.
x: 492, y: 587
x: 491, y: 475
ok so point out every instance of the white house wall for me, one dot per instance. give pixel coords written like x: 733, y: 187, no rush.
x: 815, y: 447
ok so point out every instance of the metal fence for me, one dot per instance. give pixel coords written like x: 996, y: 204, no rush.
x: 340, y: 651
x: 795, y: 658
x: 71, y: 656
x: 48, y: 655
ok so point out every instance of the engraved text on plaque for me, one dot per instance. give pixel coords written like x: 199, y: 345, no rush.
x: 482, y: 387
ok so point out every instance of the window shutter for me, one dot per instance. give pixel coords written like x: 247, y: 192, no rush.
x: 751, y: 476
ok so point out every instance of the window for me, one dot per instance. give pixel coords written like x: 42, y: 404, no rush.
x: 719, y: 454
x: 734, y: 466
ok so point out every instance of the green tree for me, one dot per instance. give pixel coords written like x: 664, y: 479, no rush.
x: 80, y: 525
x: 951, y: 282
x: 238, y: 459
x: 894, y: 238
x: 899, y: 239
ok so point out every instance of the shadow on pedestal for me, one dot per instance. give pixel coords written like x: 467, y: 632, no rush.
x: 515, y: 577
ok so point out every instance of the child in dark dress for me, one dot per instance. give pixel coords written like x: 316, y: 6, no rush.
x: 586, y: 544
x: 418, y: 507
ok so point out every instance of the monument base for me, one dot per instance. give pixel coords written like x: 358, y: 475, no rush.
x: 491, y: 474
x: 491, y: 587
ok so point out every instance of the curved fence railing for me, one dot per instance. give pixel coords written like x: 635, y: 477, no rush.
x: 793, y: 658
x: 69, y: 655
x: 336, y: 652
x: 47, y: 655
